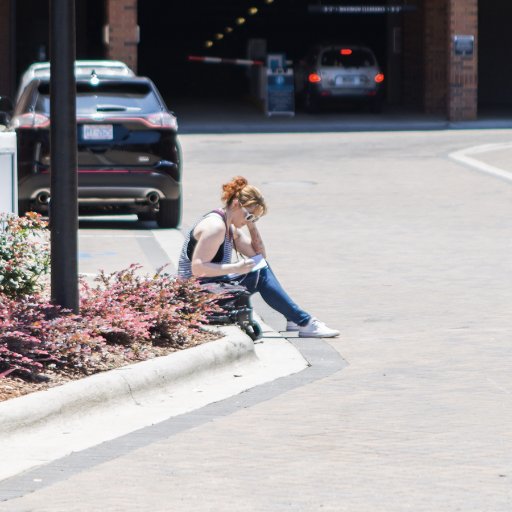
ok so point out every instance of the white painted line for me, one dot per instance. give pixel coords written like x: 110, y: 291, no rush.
x: 462, y: 157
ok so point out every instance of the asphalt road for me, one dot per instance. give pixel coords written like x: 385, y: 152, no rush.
x: 406, y: 250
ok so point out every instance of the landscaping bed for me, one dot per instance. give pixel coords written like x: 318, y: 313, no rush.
x: 125, y: 317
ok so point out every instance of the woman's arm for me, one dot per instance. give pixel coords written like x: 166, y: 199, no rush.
x: 210, y: 235
x: 250, y: 246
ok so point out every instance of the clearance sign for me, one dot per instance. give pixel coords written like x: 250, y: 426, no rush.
x: 360, y: 9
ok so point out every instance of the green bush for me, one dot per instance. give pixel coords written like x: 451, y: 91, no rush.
x: 24, y: 254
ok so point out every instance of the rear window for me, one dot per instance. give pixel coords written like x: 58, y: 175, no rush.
x: 347, y: 58
x: 106, y: 97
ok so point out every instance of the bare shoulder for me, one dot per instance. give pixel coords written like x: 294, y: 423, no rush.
x: 211, y: 227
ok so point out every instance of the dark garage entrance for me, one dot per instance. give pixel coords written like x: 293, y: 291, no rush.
x: 32, y: 26
x: 171, y: 31
x: 494, y: 55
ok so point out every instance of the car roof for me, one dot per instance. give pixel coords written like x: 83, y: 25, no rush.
x: 43, y: 68
x: 101, y: 78
x: 82, y: 67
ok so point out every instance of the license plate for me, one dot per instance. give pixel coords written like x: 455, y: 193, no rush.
x: 347, y: 80
x: 98, y: 132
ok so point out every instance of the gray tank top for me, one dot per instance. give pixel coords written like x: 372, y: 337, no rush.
x: 223, y: 254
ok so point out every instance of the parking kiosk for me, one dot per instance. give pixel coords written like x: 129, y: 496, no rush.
x: 280, y: 98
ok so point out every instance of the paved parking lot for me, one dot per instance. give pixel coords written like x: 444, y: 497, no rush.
x: 406, y: 250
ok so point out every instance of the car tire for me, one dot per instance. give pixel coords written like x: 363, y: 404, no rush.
x: 169, y: 214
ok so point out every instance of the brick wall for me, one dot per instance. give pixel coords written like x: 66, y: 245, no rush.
x: 462, y: 70
x: 6, y: 78
x: 436, y: 59
x: 121, y: 17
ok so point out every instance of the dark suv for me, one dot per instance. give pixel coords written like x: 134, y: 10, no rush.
x: 129, y: 157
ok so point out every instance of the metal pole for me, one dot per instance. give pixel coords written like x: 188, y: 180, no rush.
x: 64, y: 181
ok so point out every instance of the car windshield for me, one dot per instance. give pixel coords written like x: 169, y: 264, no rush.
x: 106, y: 97
x: 347, y: 58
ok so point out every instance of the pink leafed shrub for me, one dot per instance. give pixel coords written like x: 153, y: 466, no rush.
x: 35, y: 335
x: 157, y: 308
x: 122, y: 317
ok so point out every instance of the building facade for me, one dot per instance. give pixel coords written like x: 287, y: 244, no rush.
x: 432, y: 47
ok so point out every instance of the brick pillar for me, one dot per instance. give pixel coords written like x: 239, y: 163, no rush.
x: 462, y: 69
x: 122, y: 25
x: 435, y: 63
x: 6, y: 50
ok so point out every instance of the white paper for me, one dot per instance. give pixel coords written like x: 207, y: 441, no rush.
x: 260, y: 262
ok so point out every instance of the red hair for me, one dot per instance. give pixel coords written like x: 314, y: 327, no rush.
x: 247, y: 195
x: 232, y: 189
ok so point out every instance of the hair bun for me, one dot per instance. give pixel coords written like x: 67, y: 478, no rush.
x: 240, y: 182
x: 233, y: 188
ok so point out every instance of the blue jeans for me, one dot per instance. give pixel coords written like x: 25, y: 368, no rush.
x: 265, y: 282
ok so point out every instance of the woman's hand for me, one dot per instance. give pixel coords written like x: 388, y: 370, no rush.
x: 243, y: 266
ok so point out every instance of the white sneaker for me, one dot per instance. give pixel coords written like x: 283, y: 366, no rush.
x: 291, y: 326
x: 316, y: 329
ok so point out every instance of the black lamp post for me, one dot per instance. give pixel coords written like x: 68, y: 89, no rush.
x: 64, y: 181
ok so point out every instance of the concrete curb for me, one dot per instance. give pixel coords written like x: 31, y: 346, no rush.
x: 127, y: 382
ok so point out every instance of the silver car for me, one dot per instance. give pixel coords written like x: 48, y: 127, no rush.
x: 337, y: 72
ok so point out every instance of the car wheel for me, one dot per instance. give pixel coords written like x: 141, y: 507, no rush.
x: 169, y: 214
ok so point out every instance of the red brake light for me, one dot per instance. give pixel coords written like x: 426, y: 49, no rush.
x: 30, y: 120
x: 314, y: 78
x: 379, y: 78
x: 346, y: 51
x: 161, y: 120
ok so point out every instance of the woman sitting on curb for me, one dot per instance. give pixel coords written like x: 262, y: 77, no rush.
x: 206, y: 255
